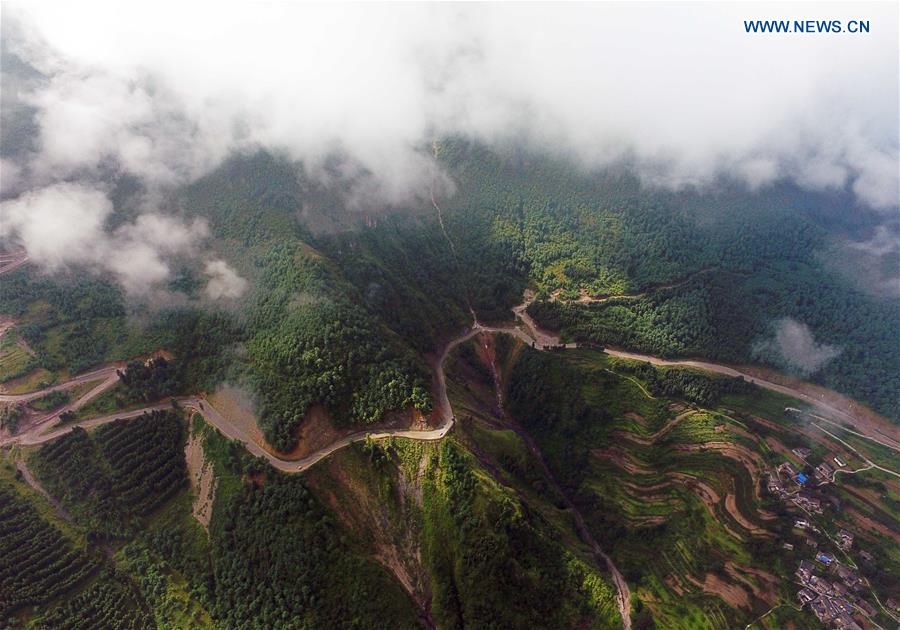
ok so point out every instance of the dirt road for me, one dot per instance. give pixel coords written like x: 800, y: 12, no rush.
x: 29, y: 478
x: 528, y: 332
x: 885, y: 439
x: 13, y: 260
x: 107, y: 373
x: 883, y: 433
x: 36, y: 433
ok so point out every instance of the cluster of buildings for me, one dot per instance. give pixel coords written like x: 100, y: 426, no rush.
x: 835, y: 594
x: 796, y: 495
x: 834, y: 599
x: 845, y: 539
x: 824, y: 472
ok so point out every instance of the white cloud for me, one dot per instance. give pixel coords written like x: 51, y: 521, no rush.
x: 64, y: 224
x: 224, y: 282
x: 871, y: 265
x: 10, y: 178
x: 679, y: 89
x: 58, y: 225
x: 164, y: 233
x: 793, y: 345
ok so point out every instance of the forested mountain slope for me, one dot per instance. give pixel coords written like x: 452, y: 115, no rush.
x: 345, y: 312
x: 721, y: 269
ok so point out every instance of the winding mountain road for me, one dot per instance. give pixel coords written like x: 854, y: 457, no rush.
x: 890, y: 442
x: 528, y: 331
x: 106, y: 373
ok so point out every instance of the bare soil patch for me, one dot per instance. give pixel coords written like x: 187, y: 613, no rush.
x: 622, y: 460
x: 865, y: 419
x: 397, y: 544
x: 234, y: 406
x: 764, y: 588
x: 732, y: 594
x: 202, y: 479
x: 641, y: 420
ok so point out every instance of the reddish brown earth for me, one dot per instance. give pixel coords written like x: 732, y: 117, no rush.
x: 732, y: 594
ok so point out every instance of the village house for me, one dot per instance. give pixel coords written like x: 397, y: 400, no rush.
x: 801, y: 452
x: 825, y: 558
x: 845, y: 622
x: 845, y: 539
x: 848, y: 576
x: 843, y: 605
x: 808, y: 503
x: 805, y: 570
x: 787, y: 469
x: 801, y: 523
x: 823, y: 472
x: 837, y: 460
x: 823, y: 609
x: 820, y: 585
x: 805, y: 596
x: 865, y: 606
x: 840, y: 589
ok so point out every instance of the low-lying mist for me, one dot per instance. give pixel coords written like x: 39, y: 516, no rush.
x: 678, y: 92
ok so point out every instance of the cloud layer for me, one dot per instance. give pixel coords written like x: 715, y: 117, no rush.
x: 64, y: 224
x: 794, y: 347
x: 679, y: 91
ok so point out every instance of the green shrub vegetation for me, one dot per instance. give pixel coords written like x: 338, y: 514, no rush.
x: 108, y: 603
x: 149, y: 382
x: 125, y: 470
x: 280, y: 562
x: 309, y: 344
x: 52, y: 400
x: 37, y: 562
x: 575, y: 408
x: 10, y: 414
x: 688, y: 384
x: 495, y: 563
x: 14, y: 359
x: 719, y: 267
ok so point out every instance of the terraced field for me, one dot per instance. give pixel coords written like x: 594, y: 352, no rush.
x: 650, y: 472
x: 15, y: 360
x: 37, y: 562
x: 110, y: 603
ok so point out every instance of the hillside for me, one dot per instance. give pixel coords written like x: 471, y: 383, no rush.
x: 201, y: 466
x: 562, y: 470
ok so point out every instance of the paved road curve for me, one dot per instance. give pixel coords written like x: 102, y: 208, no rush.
x: 528, y: 332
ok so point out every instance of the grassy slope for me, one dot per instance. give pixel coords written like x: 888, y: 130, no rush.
x: 639, y: 497
x: 470, y: 550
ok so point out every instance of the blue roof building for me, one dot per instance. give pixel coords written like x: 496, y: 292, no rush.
x: 801, y: 478
x: 825, y: 558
